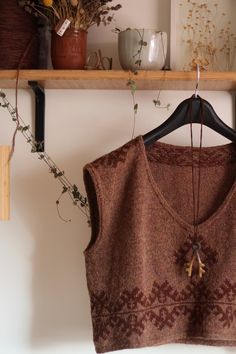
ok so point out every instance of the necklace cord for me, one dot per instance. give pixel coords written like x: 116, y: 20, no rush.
x: 199, y: 166
x: 196, y: 198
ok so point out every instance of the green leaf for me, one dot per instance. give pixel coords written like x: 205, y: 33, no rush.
x: 25, y: 128
x: 138, y: 62
x: 65, y: 189
x: 5, y: 105
x: 136, y: 108
x: 143, y: 43
x: 75, y: 188
x: 60, y: 174
x: 132, y: 85
x: 41, y: 156
x: 157, y: 102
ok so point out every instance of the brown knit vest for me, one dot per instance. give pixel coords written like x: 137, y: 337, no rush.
x: 141, y: 210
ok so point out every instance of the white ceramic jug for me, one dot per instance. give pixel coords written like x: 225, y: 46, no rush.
x: 142, y: 49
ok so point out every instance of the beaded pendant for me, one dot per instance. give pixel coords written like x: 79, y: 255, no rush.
x: 196, y: 247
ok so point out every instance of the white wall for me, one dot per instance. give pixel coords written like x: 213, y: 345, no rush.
x: 44, y: 304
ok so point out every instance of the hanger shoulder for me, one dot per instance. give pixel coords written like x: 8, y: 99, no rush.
x: 195, y: 110
x: 178, y: 118
x: 213, y: 121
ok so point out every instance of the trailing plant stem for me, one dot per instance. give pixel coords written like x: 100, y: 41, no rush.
x: 77, y: 198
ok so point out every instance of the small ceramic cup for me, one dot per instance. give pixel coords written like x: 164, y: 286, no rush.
x: 142, y: 49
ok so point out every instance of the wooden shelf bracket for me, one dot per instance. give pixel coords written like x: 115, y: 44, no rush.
x: 39, y: 114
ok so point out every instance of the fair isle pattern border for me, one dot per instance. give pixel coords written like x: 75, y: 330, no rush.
x: 131, y: 312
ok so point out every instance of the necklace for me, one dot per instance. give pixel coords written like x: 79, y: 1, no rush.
x: 196, y: 245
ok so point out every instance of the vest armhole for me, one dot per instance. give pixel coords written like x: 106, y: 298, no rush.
x: 94, y: 200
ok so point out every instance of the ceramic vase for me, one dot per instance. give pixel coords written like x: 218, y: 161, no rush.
x: 142, y: 49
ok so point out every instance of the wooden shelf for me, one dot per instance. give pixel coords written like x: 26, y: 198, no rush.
x: 117, y: 79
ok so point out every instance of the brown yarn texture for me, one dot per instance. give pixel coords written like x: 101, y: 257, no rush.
x: 141, y: 210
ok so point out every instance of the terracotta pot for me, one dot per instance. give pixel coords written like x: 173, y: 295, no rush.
x: 70, y: 50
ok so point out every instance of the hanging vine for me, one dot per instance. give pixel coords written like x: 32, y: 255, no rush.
x: 77, y: 198
x: 131, y: 83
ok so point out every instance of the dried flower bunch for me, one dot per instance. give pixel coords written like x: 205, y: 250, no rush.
x: 82, y: 14
x: 208, y: 35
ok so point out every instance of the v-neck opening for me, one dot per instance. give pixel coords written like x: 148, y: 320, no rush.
x: 186, y: 225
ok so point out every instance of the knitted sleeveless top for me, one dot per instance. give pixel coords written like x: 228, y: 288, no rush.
x: 141, y: 209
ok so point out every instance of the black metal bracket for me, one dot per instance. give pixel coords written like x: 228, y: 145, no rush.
x: 39, y: 114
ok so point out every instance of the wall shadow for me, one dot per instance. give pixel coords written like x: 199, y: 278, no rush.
x: 60, y: 302
x: 230, y: 349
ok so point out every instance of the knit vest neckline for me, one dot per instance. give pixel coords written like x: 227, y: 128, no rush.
x: 225, y: 149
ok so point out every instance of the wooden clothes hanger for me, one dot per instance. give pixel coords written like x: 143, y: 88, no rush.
x: 194, y: 109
